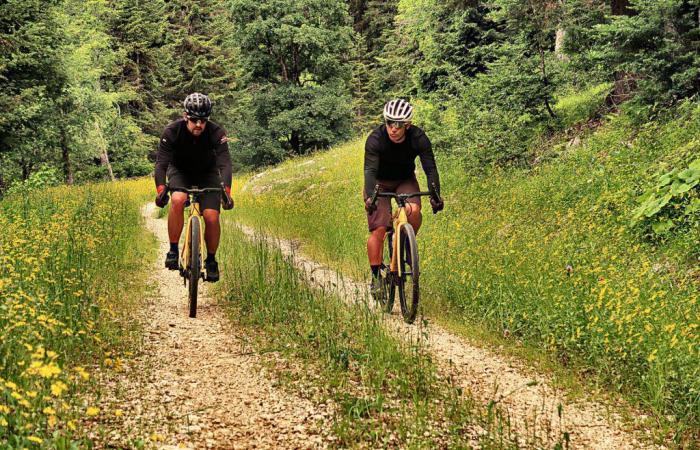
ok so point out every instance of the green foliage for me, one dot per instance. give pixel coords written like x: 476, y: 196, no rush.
x: 295, y: 55
x: 137, y: 29
x: 43, y: 178
x: 673, y: 199
x: 200, y: 55
x: 652, y: 46
x: 656, y: 45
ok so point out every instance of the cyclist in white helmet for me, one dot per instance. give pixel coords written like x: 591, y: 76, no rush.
x: 390, y: 153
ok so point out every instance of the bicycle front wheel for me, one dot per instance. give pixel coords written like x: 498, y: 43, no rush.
x: 195, y: 264
x: 409, y: 292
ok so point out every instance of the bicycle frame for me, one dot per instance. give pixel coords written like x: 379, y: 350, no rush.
x: 194, y: 211
x: 400, y: 219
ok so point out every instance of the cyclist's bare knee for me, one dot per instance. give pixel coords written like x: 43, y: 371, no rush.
x: 378, y: 232
x: 415, y: 217
x: 211, y: 216
x: 178, y: 201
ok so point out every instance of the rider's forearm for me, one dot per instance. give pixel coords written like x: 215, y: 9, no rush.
x: 163, y: 157
x: 223, y: 163
x: 370, y: 181
x: 371, y: 168
x: 427, y: 160
x: 160, y: 172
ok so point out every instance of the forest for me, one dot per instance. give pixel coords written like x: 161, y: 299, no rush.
x: 87, y: 87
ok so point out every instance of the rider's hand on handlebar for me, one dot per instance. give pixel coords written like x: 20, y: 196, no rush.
x: 370, y: 206
x: 162, y: 196
x: 227, y: 200
x: 437, y: 203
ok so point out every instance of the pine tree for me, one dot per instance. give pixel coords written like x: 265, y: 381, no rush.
x: 201, y: 55
x: 30, y: 84
x: 138, y: 28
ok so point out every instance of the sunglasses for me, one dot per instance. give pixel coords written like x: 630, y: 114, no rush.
x: 394, y: 124
x: 196, y: 120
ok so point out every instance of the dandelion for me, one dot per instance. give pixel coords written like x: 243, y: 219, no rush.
x: 58, y: 388
x: 92, y: 411
x: 82, y: 372
x: 652, y: 356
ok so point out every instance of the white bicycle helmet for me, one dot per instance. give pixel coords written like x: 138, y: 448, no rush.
x: 398, y: 110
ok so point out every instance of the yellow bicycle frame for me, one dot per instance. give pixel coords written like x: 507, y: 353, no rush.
x: 185, y: 253
x: 400, y: 219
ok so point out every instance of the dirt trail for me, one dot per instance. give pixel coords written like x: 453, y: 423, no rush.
x: 200, y: 386
x: 532, y: 404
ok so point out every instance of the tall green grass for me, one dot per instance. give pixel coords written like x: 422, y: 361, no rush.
x: 387, y: 391
x: 545, y: 255
x: 67, y: 264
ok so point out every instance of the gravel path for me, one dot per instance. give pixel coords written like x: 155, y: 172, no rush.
x: 197, y: 384
x: 531, y: 403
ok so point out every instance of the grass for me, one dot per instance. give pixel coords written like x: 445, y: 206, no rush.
x: 66, y: 261
x: 545, y: 255
x: 387, y: 391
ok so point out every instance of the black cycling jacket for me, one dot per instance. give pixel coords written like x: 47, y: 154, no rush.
x: 385, y: 160
x: 193, y: 156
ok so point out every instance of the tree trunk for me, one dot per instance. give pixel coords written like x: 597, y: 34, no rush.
x: 104, y: 155
x: 545, y: 82
x: 620, y: 7
x: 559, y: 45
x: 295, y: 143
x: 65, y: 155
x: 104, y: 160
x: 25, y: 169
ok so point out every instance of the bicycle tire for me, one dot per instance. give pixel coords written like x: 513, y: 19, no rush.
x: 194, y: 268
x: 409, y: 290
x: 388, y: 293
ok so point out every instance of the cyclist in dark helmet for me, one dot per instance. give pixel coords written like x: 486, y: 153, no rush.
x: 193, y: 151
x: 390, y: 153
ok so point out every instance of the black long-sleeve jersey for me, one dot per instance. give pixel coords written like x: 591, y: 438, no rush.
x: 193, y: 156
x: 386, y: 160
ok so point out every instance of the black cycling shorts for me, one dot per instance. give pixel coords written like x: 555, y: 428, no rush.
x: 177, y: 179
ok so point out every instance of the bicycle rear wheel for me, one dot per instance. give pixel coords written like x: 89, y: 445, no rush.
x: 409, y: 292
x: 388, y: 288
x: 195, y: 262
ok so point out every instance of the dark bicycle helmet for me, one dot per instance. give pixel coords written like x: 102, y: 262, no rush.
x: 197, y: 105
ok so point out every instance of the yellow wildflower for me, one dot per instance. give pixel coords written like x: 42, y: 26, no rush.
x: 49, y: 371
x: 82, y: 372
x: 92, y: 411
x: 58, y: 387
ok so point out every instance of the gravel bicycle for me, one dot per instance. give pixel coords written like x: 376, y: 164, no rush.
x: 400, y: 267
x: 194, y: 250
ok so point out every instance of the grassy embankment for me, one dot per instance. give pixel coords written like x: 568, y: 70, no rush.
x: 387, y: 391
x: 625, y: 313
x: 66, y: 270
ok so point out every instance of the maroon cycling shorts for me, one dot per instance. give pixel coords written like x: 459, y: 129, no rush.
x: 381, y: 217
x: 179, y: 179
